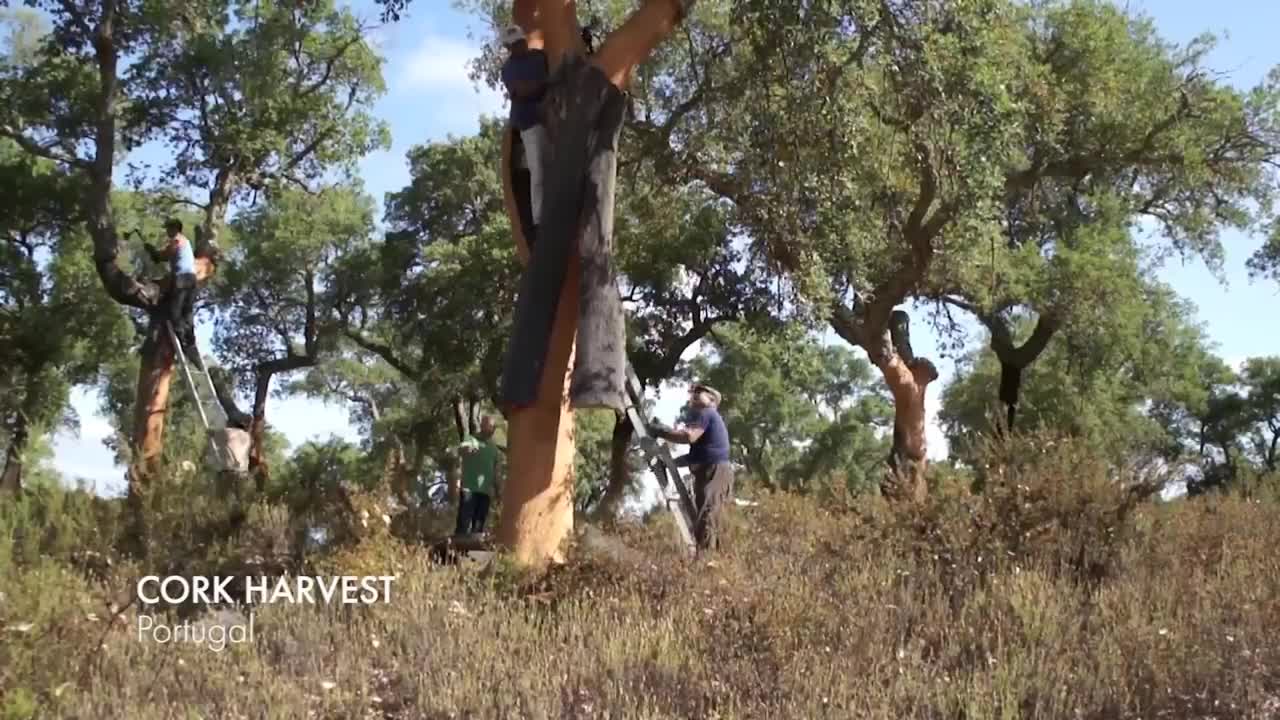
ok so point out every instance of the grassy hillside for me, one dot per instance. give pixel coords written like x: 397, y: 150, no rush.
x: 1053, y: 595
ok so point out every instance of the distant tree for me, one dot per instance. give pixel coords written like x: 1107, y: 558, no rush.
x: 56, y: 329
x: 1115, y: 383
x: 229, y: 87
x: 275, y: 314
x: 800, y: 415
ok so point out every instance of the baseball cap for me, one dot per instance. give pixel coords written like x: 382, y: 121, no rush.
x: 715, y: 394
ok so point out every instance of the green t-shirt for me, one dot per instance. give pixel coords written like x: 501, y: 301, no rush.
x: 479, y: 467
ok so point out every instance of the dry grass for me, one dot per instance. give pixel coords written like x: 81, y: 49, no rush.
x: 1050, y: 596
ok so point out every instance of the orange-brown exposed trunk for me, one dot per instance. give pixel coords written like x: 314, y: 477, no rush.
x: 908, y: 459
x: 537, y: 503
x: 155, y: 374
x: 537, y: 507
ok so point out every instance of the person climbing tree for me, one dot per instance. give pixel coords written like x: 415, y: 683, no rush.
x: 479, y: 472
x: 525, y: 75
x: 708, y: 458
x: 181, y: 299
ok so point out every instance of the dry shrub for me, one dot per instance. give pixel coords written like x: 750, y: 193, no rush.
x: 1054, y: 593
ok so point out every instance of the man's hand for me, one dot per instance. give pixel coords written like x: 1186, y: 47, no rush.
x: 656, y: 430
x: 154, y: 252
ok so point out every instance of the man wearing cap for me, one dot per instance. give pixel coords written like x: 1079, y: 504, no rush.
x: 182, y: 292
x: 705, y: 432
x: 525, y: 75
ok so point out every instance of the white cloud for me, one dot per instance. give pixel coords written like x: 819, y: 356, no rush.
x: 439, y: 68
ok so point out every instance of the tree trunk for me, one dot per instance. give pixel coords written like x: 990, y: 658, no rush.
x: 473, y: 412
x: 584, y: 118
x: 584, y: 112
x: 11, y: 478
x: 1010, y: 386
x: 461, y: 419
x: 258, y: 466
x: 619, y: 469
x: 537, y: 504
x: 151, y: 406
x: 1016, y: 358
x: 908, y: 377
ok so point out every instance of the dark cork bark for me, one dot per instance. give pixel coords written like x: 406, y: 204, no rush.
x: 584, y: 114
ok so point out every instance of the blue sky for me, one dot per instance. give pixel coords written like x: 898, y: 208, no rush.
x: 430, y: 97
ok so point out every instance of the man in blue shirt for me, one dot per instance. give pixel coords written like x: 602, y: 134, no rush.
x: 525, y: 75
x: 705, y: 432
x: 182, y: 295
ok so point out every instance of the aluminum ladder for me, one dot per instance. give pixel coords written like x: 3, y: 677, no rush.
x: 671, y: 484
x: 217, y: 428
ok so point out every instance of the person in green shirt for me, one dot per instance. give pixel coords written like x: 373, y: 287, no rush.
x: 479, y: 471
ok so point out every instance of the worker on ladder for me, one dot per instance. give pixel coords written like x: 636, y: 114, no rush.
x: 708, y: 458
x: 181, y: 299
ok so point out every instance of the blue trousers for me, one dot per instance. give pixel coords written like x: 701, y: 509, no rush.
x: 473, y: 509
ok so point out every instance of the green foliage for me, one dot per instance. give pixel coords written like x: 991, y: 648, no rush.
x: 593, y: 442
x: 324, y: 465
x: 276, y: 294
x: 1233, y: 428
x: 52, y: 521
x: 56, y: 328
x: 801, y: 415
x: 1113, y: 383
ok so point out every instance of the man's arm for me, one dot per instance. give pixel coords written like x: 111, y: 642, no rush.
x: 467, y: 446
x: 686, y: 435
x: 170, y: 248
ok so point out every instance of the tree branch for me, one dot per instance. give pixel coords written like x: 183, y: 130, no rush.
x: 47, y: 151
x: 383, y: 351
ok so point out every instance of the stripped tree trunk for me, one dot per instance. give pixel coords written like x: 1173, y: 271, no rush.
x: 908, y: 378
x: 568, y: 289
x: 888, y: 346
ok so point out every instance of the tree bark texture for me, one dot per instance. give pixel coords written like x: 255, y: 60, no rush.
x: 258, y: 431
x: 569, y: 275
x: 1016, y: 358
x: 537, y: 503
x: 585, y: 113
x: 619, y: 468
x: 11, y: 477
x: 1010, y: 388
x: 908, y: 378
